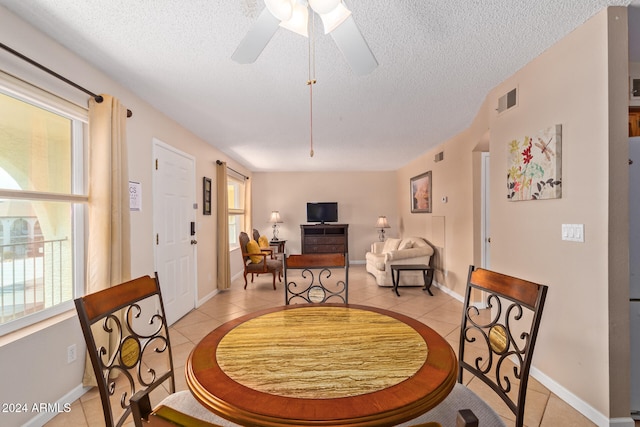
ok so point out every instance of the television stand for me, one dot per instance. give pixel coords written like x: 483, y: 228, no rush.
x: 325, y: 238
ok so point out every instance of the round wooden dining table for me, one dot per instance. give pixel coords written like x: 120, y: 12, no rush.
x: 321, y: 365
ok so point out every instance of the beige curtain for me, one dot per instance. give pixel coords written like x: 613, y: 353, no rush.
x: 222, y: 203
x: 108, y: 252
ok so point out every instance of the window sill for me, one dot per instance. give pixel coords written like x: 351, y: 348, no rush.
x: 21, y: 333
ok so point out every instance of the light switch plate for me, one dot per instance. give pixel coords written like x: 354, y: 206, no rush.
x: 573, y: 232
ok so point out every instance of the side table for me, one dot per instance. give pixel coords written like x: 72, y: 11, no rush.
x: 427, y: 274
x: 278, y: 244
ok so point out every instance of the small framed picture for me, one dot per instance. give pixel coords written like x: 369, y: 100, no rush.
x: 634, y: 88
x: 206, y: 196
x: 420, y: 187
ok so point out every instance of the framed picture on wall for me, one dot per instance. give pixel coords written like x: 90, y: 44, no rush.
x: 634, y: 88
x: 206, y: 196
x: 420, y: 188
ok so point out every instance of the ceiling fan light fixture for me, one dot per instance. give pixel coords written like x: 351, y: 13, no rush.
x: 323, y: 6
x: 333, y: 19
x: 299, y: 21
x: 281, y: 9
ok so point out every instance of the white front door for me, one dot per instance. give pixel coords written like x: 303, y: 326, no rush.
x: 173, y: 213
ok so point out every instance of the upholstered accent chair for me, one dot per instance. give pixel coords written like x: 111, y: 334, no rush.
x: 263, y: 242
x: 256, y: 261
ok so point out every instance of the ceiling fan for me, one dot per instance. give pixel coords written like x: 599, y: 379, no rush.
x: 294, y: 15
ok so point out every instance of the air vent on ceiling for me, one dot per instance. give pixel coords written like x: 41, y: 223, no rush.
x: 507, y: 101
x: 439, y: 157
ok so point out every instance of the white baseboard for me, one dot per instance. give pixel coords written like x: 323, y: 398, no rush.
x: 207, y: 297
x: 448, y: 291
x: 578, y: 404
x: 235, y: 276
x: 63, y: 404
x: 621, y: 422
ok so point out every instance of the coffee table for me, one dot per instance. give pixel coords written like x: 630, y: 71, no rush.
x: 427, y: 274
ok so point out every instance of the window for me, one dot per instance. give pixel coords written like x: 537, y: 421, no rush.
x: 42, y: 204
x: 235, y: 192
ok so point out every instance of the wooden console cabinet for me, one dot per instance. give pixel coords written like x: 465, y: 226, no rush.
x: 634, y: 121
x: 325, y: 238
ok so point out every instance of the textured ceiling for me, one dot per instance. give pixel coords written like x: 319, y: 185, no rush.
x: 438, y: 60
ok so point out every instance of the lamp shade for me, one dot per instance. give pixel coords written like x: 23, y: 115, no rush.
x: 332, y: 19
x: 382, y: 222
x: 275, y: 217
x: 323, y: 6
x: 281, y: 9
x: 299, y: 21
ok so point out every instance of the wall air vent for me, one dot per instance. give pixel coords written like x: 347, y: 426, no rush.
x: 507, y: 101
x: 439, y: 157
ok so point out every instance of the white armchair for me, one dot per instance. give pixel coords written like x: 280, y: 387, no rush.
x: 410, y: 250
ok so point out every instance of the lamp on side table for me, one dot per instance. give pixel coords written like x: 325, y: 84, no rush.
x: 275, y: 219
x: 382, y: 224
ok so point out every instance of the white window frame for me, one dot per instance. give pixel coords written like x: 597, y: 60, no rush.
x: 233, y: 211
x: 17, y: 88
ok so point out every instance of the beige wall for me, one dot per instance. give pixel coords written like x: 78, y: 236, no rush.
x: 618, y: 221
x: 584, y: 331
x: 361, y: 197
x: 453, y: 179
x: 526, y: 235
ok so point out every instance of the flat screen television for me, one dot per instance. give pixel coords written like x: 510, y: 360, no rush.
x: 322, y: 212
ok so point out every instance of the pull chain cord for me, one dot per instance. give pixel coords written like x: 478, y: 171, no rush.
x: 311, y: 83
x: 312, y: 79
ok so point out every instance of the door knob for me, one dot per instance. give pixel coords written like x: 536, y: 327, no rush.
x: 194, y: 242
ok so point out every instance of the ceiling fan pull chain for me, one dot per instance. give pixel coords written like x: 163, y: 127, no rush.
x: 311, y: 83
x: 312, y: 79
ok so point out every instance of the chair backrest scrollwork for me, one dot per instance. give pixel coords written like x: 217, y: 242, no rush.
x: 503, y: 336
x: 316, y: 278
x: 127, y: 339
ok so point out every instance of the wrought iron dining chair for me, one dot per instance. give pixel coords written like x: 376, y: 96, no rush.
x: 127, y: 339
x: 496, y: 347
x: 316, y: 278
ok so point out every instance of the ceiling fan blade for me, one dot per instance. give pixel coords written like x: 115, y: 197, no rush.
x: 354, y: 47
x: 257, y: 38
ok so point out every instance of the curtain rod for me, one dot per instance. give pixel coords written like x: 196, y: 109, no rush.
x: 239, y: 173
x: 98, y: 98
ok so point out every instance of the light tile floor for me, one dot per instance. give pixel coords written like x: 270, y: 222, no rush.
x: 441, y: 312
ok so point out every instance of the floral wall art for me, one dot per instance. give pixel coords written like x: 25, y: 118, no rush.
x: 535, y: 166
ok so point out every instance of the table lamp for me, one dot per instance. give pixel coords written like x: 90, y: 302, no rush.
x: 382, y: 224
x: 275, y: 219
